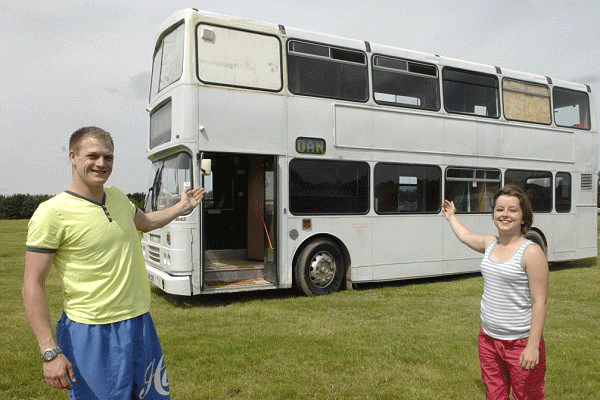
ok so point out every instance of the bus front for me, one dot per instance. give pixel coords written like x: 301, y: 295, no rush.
x: 169, y: 252
x: 203, y: 133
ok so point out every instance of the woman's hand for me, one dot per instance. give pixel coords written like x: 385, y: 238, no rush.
x: 448, y: 208
x: 530, y: 357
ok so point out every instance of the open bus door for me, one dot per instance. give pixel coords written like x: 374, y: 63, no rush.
x: 238, y: 223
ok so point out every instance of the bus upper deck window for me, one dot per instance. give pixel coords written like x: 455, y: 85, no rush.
x: 571, y: 108
x: 469, y: 92
x: 168, y: 60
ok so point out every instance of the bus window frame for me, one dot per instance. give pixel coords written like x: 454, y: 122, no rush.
x: 469, y: 181
x: 405, y: 73
x: 588, y: 121
x: 159, y: 46
x: 197, y: 59
x: 476, y: 74
x: 158, y: 186
x: 159, y: 108
x: 550, y: 188
x: 522, y: 92
x: 425, y: 168
x: 292, y: 53
x: 325, y: 211
x: 563, y: 175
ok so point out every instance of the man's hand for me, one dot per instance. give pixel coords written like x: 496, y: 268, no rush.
x: 59, y: 373
x: 191, y: 198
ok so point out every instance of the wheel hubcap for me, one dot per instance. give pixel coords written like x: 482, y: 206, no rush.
x: 322, y: 269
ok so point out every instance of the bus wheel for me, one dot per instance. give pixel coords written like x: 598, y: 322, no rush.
x: 320, y: 268
x: 536, y: 238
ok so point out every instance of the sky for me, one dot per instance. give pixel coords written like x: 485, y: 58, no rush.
x: 71, y: 63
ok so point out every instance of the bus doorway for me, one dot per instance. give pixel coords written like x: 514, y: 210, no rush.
x: 239, y: 227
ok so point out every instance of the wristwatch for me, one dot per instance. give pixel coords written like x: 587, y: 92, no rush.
x: 50, y: 354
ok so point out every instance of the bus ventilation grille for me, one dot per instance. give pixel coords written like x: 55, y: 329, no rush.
x: 586, y: 182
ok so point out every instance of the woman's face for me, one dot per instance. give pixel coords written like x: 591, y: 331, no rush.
x: 508, y: 216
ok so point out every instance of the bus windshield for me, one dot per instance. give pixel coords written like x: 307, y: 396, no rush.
x: 171, y: 175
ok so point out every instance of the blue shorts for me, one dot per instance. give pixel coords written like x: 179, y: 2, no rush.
x: 123, y: 360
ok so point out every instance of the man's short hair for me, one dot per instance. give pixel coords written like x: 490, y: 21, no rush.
x: 93, y: 131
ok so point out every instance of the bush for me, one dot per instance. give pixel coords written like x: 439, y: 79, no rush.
x: 139, y: 199
x: 20, y: 206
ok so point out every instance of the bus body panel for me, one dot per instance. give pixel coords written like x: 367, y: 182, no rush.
x: 254, y: 128
x: 586, y: 233
x: 251, y: 131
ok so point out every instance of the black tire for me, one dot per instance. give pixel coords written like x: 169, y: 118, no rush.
x: 320, y: 268
x: 536, y: 238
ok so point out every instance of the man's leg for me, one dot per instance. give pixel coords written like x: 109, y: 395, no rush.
x: 101, y: 358
x: 150, y: 374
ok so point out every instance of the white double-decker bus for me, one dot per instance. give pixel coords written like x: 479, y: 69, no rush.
x: 326, y: 159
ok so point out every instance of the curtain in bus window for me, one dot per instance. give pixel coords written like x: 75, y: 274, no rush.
x: 328, y: 187
x: 405, y: 188
x: 536, y: 184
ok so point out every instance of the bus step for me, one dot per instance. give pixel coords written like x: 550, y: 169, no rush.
x: 238, y: 283
x: 233, y: 274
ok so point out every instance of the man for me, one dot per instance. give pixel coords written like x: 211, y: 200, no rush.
x: 106, y: 345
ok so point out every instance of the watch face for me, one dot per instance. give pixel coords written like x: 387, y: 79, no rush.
x: 49, y: 354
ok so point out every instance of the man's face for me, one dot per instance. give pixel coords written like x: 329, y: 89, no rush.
x: 93, y: 163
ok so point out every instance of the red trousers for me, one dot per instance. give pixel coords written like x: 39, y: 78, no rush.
x: 501, y: 372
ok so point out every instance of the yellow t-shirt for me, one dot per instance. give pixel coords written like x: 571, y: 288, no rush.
x: 97, y: 254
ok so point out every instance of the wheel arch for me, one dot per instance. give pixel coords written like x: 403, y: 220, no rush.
x: 534, y: 234
x: 340, y: 244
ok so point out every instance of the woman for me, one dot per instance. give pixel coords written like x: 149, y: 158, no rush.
x: 512, y: 354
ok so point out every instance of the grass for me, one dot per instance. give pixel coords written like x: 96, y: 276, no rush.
x: 407, y: 340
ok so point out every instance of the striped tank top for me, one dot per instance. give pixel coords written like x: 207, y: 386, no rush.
x: 506, y: 301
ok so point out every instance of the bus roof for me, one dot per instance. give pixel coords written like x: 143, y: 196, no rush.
x: 196, y: 16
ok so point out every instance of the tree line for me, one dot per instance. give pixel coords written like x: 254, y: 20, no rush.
x: 22, y: 206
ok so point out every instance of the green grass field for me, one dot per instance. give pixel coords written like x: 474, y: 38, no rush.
x: 409, y: 340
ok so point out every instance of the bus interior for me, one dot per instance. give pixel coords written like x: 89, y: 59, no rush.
x: 239, y: 236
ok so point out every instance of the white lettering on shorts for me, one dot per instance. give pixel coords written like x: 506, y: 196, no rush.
x: 156, y: 377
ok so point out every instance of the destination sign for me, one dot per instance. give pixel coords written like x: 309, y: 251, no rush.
x: 310, y: 145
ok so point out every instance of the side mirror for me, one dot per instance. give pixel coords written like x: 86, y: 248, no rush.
x: 206, y: 166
